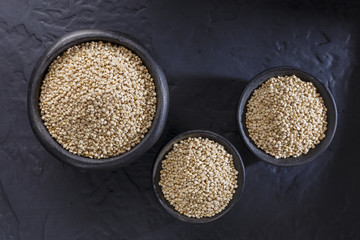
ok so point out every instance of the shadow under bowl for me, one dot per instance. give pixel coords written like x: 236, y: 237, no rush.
x: 34, y: 88
x: 324, y: 93
x: 238, y: 164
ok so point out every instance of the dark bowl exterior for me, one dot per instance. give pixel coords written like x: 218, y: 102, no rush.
x: 328, y: 101
x: 238, y: 164
x: 41, y: 68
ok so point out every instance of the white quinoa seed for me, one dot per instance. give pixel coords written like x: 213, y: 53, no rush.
x: 286, y: 117
x: 198, y: 177
x: 98, y: 100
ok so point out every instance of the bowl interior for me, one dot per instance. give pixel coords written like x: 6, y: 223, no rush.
x: 41, y: 68
x: 238, y: 164
x: 328, y: 101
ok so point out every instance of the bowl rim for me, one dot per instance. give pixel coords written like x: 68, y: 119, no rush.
x: 238, y: 164
x: 329, y: 102
x: 41, y: 68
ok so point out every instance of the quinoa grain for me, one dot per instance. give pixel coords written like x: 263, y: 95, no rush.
x: 286, y: 117
x: 97, y: 100
x: 198, y: 177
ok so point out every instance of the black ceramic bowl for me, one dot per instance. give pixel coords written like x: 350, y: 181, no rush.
x: 238, y: 164
x: 41, y: 68
x: 325, y: 94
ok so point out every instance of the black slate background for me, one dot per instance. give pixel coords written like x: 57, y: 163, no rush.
x: 208, y: 50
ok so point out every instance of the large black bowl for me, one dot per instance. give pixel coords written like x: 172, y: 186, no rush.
x: 41, y: 68
x: 238, y: 164
x: 325, y: 94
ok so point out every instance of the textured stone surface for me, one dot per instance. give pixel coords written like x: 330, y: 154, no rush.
x: 208, y: 50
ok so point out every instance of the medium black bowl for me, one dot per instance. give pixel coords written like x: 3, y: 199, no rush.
x: 41, y: 68
x: 238, y: 164
x: 325, y: 94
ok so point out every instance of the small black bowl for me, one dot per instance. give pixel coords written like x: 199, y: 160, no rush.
x: 238, y: 164
x: 324, y: 93
x: 41, y: 68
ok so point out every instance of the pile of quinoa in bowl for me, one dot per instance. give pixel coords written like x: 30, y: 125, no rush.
x: 286, y: 116
x: 198, y: 176
x: 97, y: 99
